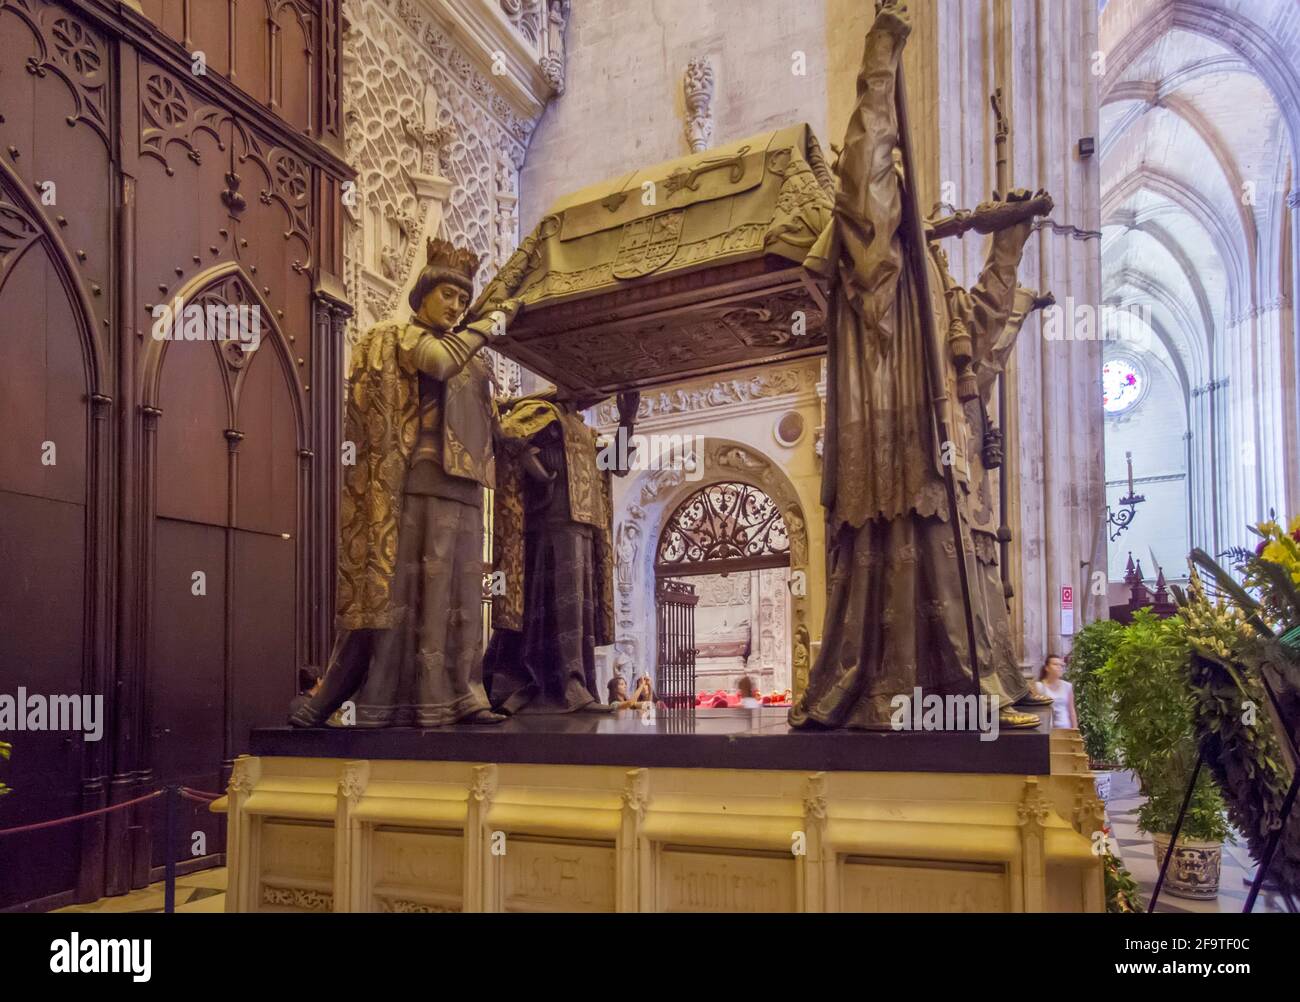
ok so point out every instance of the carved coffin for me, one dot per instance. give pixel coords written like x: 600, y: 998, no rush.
x: 677, y: 270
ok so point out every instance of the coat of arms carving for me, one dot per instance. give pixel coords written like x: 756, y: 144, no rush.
x: 648, y: 244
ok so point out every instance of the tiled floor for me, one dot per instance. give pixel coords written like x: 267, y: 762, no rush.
x: 204, y: 891
x: 1139, y: 856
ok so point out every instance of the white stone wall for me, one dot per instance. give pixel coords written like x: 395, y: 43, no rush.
x: 737, y: 416
x: 624, y: 105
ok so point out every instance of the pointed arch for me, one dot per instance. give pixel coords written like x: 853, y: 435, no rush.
x: 22, y: 227
x: 234, y: 286
x: 1259, y: 49
x: 658, y: 494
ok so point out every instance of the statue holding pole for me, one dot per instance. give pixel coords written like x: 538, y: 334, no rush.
x: 911, y: 354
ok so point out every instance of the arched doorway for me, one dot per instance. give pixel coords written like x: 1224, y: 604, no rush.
x: 722, y: 573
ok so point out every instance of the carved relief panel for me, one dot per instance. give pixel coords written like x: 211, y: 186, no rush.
x: 271, y: 49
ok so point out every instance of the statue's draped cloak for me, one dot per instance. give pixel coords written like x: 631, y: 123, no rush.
x: 589, y: 504
x: 553, y: 548
x: 881, y: 453
x: 895, y: 616
x: 381, y: 422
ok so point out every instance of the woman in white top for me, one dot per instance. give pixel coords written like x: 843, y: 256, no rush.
x: 1062, y: 692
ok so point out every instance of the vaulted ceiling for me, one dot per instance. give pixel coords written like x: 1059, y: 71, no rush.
x: 1200, y: 105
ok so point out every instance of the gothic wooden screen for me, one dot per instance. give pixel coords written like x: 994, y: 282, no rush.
x: 131, y: 172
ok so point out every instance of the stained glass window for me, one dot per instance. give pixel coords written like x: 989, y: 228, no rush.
x: 1123, y: 382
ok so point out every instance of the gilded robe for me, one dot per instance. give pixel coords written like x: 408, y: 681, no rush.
x: 421, y: 417
x: 381, y: 421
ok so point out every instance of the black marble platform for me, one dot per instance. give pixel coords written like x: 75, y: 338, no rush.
x: 698, y: 739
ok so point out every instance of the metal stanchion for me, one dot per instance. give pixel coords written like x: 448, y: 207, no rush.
x: 169, y: 849
x: 1173, y: 837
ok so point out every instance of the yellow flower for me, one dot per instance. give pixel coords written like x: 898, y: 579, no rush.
x: 1275, y: 552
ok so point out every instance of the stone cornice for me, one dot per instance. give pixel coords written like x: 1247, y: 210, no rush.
x: 747, y: 392
x: 483, y: 33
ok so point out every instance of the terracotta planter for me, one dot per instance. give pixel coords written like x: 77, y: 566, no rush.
x: 1194, y: 870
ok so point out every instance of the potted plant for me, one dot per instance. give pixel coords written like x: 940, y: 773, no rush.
x: 1121, y: 889
x: 1156, y: 738
x: 1093, y: 701
x: 1242, y: 634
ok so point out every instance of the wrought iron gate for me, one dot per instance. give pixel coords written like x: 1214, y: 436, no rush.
x: 675, y: 669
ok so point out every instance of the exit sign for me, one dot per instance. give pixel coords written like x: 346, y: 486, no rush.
x: 1067, y: 610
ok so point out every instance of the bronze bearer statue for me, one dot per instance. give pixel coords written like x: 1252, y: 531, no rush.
x: 421, y: 417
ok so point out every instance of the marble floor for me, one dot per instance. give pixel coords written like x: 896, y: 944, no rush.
x: 1139, y: 857
x: 204, y: 891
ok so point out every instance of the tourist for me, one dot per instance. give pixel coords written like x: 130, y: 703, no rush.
x: 745, y: 686
x: 1051, y: 682
x: 645, y: 692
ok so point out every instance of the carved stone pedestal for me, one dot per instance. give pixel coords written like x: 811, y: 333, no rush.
x: 340, y: 834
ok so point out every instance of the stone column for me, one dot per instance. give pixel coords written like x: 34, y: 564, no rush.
x: 241, y: 863
x: 1041, y: 55
x: 350, y: 892
x: 1273, y: 400
x: 1291, y: 322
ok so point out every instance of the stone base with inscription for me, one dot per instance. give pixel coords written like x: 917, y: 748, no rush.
x: 319, y: 833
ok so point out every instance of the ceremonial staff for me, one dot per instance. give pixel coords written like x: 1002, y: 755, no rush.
x: 1003, y: 175
x: 918, y: 249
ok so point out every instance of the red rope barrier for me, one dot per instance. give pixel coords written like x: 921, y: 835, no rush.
x: 199, y: 796
x: 79, y: 817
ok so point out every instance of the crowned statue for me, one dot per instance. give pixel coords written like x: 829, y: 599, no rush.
x: 421, y: 416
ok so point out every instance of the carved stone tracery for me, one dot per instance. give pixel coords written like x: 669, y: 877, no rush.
x: 437, y: 147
